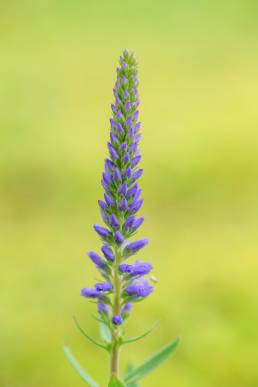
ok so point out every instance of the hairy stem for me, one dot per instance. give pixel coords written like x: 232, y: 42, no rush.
x: 114, y: 361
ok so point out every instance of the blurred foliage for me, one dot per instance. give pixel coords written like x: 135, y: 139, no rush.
x: 199, y: 94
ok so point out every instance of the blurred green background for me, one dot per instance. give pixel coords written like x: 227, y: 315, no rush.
x: 199, y: 94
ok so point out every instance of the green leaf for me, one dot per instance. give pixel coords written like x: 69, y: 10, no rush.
x: 114, y: 382
x: 89, y: 337
x: 79, y: 369
x: 152, y: 363
x: 105, y: 332
x: 128, y: 370
x: 136, y: 338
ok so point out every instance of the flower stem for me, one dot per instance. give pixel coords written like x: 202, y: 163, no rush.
x: 114, y: 360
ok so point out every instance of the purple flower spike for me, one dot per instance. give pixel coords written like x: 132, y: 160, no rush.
x: 121, y: 283
x: 89, y: 293
x: 117, y: 320
x: 103, y: 286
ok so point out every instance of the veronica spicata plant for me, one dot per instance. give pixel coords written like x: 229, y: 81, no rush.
x: 122, y: 282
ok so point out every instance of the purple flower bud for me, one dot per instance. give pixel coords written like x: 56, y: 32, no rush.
x: 135, y: 161
x: 120, y: 114
x: 112, y: 151
x: 135, y: 115
x: 103, y: 286
x: 102, y: 231
x: 118, y: 101
x: 137, y: 174
x: 104, y: 216
x: 128, y: 106
x: 139, y: 289
x: 102, y: 204
x: 120, y: 128
x: 137, y: 223
x: 89, y: 293
x: 126, y: 157
x: 105, y: 185
x: 109, y: 200
x: 129, y: 222
x: 135, y: 206
x: 117, y: 320
x: 114, y: 221
x: 96, y: 259
x: 132, y: 191
x: 113, y: 137
x: 123, y: 146
x: 123, y: 205
x: 109, y: 165
x: 138, y: 194
x: 125, y: 268
x: 134, y: 149
x: 124, y: 80
x: 124, y: 65
x: 107, y: 178
x: 119, y: 237
x: 113, y: 107
x: 102, y: 308
x: 108, y: 253
x: 128, y: 172
x: 117, y: 175
x: 141, y: 268
x: 131, y: 132
x: 137, y: 126
x: 136, y: 246
x: 137, y: 138
x: 126, y: 94
x: 112, y: 123
x: 122, y: 189
x: 129, y: 121
x: 127, y: 308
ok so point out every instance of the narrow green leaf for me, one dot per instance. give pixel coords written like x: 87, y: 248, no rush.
x: 136, y: 338
x: 79, y: 369
x: 105, y: 332
x: 153, y: 362
x: 128, y: 370
x: 89, y: 337
x: 114, y: 382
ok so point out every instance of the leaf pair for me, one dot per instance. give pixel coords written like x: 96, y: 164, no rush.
x: 133, y: 374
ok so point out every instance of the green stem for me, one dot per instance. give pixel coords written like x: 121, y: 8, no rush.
x: 114, y: 361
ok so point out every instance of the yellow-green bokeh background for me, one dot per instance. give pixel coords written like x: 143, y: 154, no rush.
x: 199, y: 95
